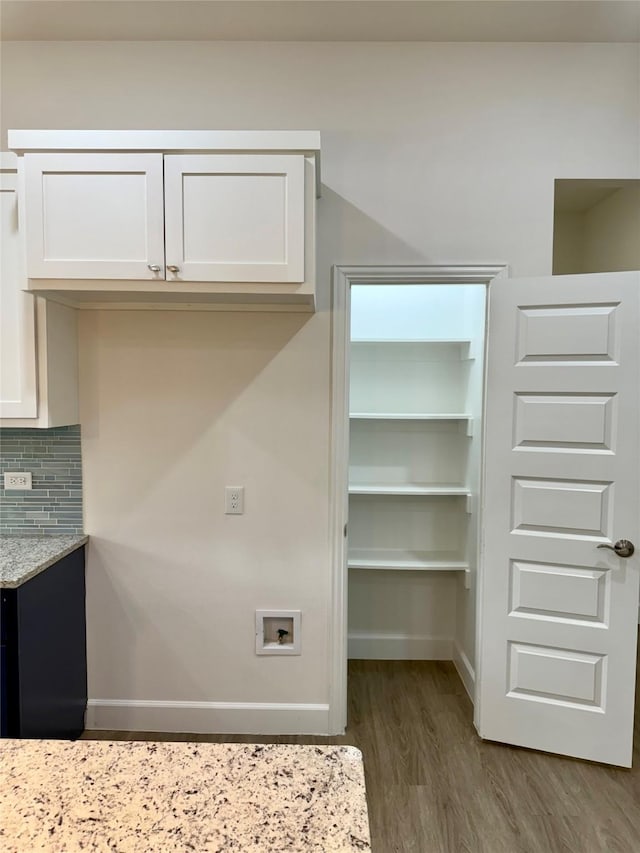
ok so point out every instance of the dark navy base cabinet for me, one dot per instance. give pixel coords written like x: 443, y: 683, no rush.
x: 44, y: 661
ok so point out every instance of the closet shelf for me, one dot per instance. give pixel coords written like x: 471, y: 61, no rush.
x: 455, y: 349
x: 410, y: 341
x: 408, y: 416
x: 435, y: 490
x: 432, y: 561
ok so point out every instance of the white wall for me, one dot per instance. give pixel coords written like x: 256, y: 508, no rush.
x: 174, y: 406
x: 431, y: 154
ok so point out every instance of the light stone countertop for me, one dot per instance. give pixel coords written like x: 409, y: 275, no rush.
x: 24, y: 557
x: 147, y: 797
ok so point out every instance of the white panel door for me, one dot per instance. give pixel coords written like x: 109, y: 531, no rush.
x: 18, y: 387
x: 94, y: 216
x: 558, y: 614
x: 235, y: 218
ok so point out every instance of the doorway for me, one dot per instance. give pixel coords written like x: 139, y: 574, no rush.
x: 408, y: 356
x: 557, y: 603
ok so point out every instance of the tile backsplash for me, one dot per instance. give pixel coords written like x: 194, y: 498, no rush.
x: 54, y: 505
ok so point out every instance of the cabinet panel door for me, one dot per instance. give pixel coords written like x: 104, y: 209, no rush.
x: 94, y: 216
x: 236, y: 218
x: 18, y: 385
x: 51, y: 651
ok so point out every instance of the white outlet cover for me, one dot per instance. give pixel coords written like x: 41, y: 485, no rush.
x: 234, y: 500
x: 17, y: 481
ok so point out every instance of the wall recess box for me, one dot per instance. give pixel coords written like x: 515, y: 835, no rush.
x: 278, y: 632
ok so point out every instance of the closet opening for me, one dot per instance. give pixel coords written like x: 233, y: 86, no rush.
x: 407, y: 466
x: 415, y: 410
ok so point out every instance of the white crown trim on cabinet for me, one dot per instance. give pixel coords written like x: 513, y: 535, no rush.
x: 170, y: 141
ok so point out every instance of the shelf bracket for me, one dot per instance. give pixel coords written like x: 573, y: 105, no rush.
x: 469, y: 427
x: 470, y: 504
x: 467, y: 578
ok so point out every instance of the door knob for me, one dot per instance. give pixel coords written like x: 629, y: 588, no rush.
x: 154, y: 267
x: 173, y: 268
x: 623, y: 548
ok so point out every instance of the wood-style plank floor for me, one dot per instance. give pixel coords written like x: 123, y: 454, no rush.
x: 434, y: 787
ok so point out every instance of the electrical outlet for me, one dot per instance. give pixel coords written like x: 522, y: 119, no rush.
x: 234, y: 500
x: 17, y: 480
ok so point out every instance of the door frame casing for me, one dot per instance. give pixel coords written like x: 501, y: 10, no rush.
x: 342, y: 280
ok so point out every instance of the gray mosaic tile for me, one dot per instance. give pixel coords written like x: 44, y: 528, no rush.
x: 54, y: 505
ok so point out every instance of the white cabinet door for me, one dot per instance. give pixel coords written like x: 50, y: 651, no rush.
x: 38, y: 347
x: 18, y: 386
x: 235, y: 218
x: 94, y: 216
x: 558, y: 618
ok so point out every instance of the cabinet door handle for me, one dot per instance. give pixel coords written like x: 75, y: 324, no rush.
x: 154, y: 267
x: 173, y: 268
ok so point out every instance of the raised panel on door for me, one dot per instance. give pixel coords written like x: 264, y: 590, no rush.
x: 558, y: 616
x: 18, y: 382
x: 235, y: 218
x: 94, y: 216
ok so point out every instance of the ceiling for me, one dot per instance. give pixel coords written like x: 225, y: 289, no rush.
x: 322, y: 20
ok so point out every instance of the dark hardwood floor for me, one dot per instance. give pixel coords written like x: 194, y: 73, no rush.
x: 434, y: 787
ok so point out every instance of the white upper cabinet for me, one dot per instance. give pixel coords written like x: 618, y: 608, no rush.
x: 235, y: 218
x: 191, y: 217
x: 94, y: 215
x: 38, y: 352
x: 18, y: 384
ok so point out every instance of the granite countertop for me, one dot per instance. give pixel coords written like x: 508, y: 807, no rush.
x: 138, y: 797
x: 24, y: 557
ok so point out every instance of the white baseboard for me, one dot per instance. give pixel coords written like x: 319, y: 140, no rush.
x: 465, y: 670
x: 365, y: 646
x: 255, y: 718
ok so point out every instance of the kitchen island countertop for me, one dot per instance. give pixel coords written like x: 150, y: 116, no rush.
x: 24, y: 557
x: 138, y: 797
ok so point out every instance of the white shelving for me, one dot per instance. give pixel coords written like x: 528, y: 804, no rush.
x: 398, y: 560
x: 408, y: 416
x: 460, y: 348
x: 415, y: 401
x: 436, y: 490
x: 394, y: 379
x: 395, y: 530
x: 410, y: 431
